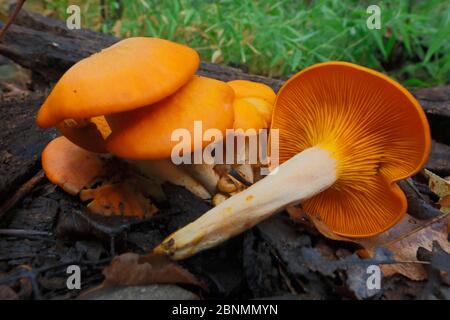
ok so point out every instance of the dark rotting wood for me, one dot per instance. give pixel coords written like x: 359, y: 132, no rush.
x: 45, y: 46
x: 21, y: 143
x: 13, y: 15
x: 259, y: 263
x: 21, y: 192
x: 23, y: 233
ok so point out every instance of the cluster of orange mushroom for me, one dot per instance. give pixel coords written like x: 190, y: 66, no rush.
x: 127, y: 100
x: 346, y: 135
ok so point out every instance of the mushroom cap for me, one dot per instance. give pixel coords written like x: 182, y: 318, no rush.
x: 90, y: 134
x: 246, y: 88
x: 372, y: 126
x: 263, y: 107
x: 145, y: 133
x: 132, y: 73
x: 253, y: 104
x: 69, y: 166
x: 247, y: 116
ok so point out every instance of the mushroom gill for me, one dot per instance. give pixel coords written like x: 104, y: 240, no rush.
x: 346, y: 135
x: 371, y: 125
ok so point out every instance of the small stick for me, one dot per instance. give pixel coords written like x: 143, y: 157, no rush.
x: 21, y: 192
x: 11, y: 18
x: 23, y: 233
x: 410, y: 182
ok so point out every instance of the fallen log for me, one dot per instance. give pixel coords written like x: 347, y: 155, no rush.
x: 21, y: 142
x: 46, y: 47
x: 269, y: 252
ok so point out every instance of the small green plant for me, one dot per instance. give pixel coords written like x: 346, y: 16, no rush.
x: 277, y: 38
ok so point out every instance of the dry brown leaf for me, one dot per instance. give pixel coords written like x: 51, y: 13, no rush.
x: 403, y: 240
x: 131, y: 269
x: 125, y: 198
x: 6, y: 293
x: 120, y: 191
x: 441, y: 187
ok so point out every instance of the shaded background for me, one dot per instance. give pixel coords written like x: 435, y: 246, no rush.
x: 277, y: 38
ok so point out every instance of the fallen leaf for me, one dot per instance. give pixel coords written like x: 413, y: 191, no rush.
x: 439, y: 272
x: 315, y: 261
x: 118, y: 191
x: 131, y: 269
x: 119, y: 199
x: 440, y: 260
x: 441, y: 187
x: 6, y: 293
x: 403, y: 240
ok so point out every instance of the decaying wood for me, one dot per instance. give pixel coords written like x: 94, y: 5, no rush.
x: 264, y: 261
x: 20, y: 193
x: 21, y: 142
x: 11, y: 18
x: 47, y: 47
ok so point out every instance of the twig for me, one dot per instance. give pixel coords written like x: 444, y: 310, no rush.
x: 21, y: 192
x: 12, y: 90
x: 410, y: 182
x: 23, y: 233
x: 12, y: 17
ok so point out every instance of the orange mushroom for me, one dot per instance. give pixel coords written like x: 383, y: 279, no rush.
x: 346, y: 135
x: 76, y: 170
x: 252, y: 110
x: 130, y: 74
x: 246, y: 88
x: 144, y: 135
x: 253, y: 106
x: 69, y: 166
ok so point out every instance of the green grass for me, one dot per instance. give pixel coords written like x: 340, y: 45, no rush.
x: 278, y: 38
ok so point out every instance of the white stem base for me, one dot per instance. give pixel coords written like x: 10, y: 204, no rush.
x: 301, y: 177
x: 164, y: 170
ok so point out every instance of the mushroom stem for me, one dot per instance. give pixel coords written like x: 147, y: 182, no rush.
x: 205, y: 174
x: 164, y: 170
x: 299, y: 178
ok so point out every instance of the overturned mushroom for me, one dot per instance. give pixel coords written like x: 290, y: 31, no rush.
x: 347, y: 134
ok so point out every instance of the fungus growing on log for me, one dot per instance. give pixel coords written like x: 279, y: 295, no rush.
x: 145, y: 135
x: 75, y: 170
x: 346, y: 135
x: 130, y: 74
x: 253, y: 104
x: 70, y: 167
